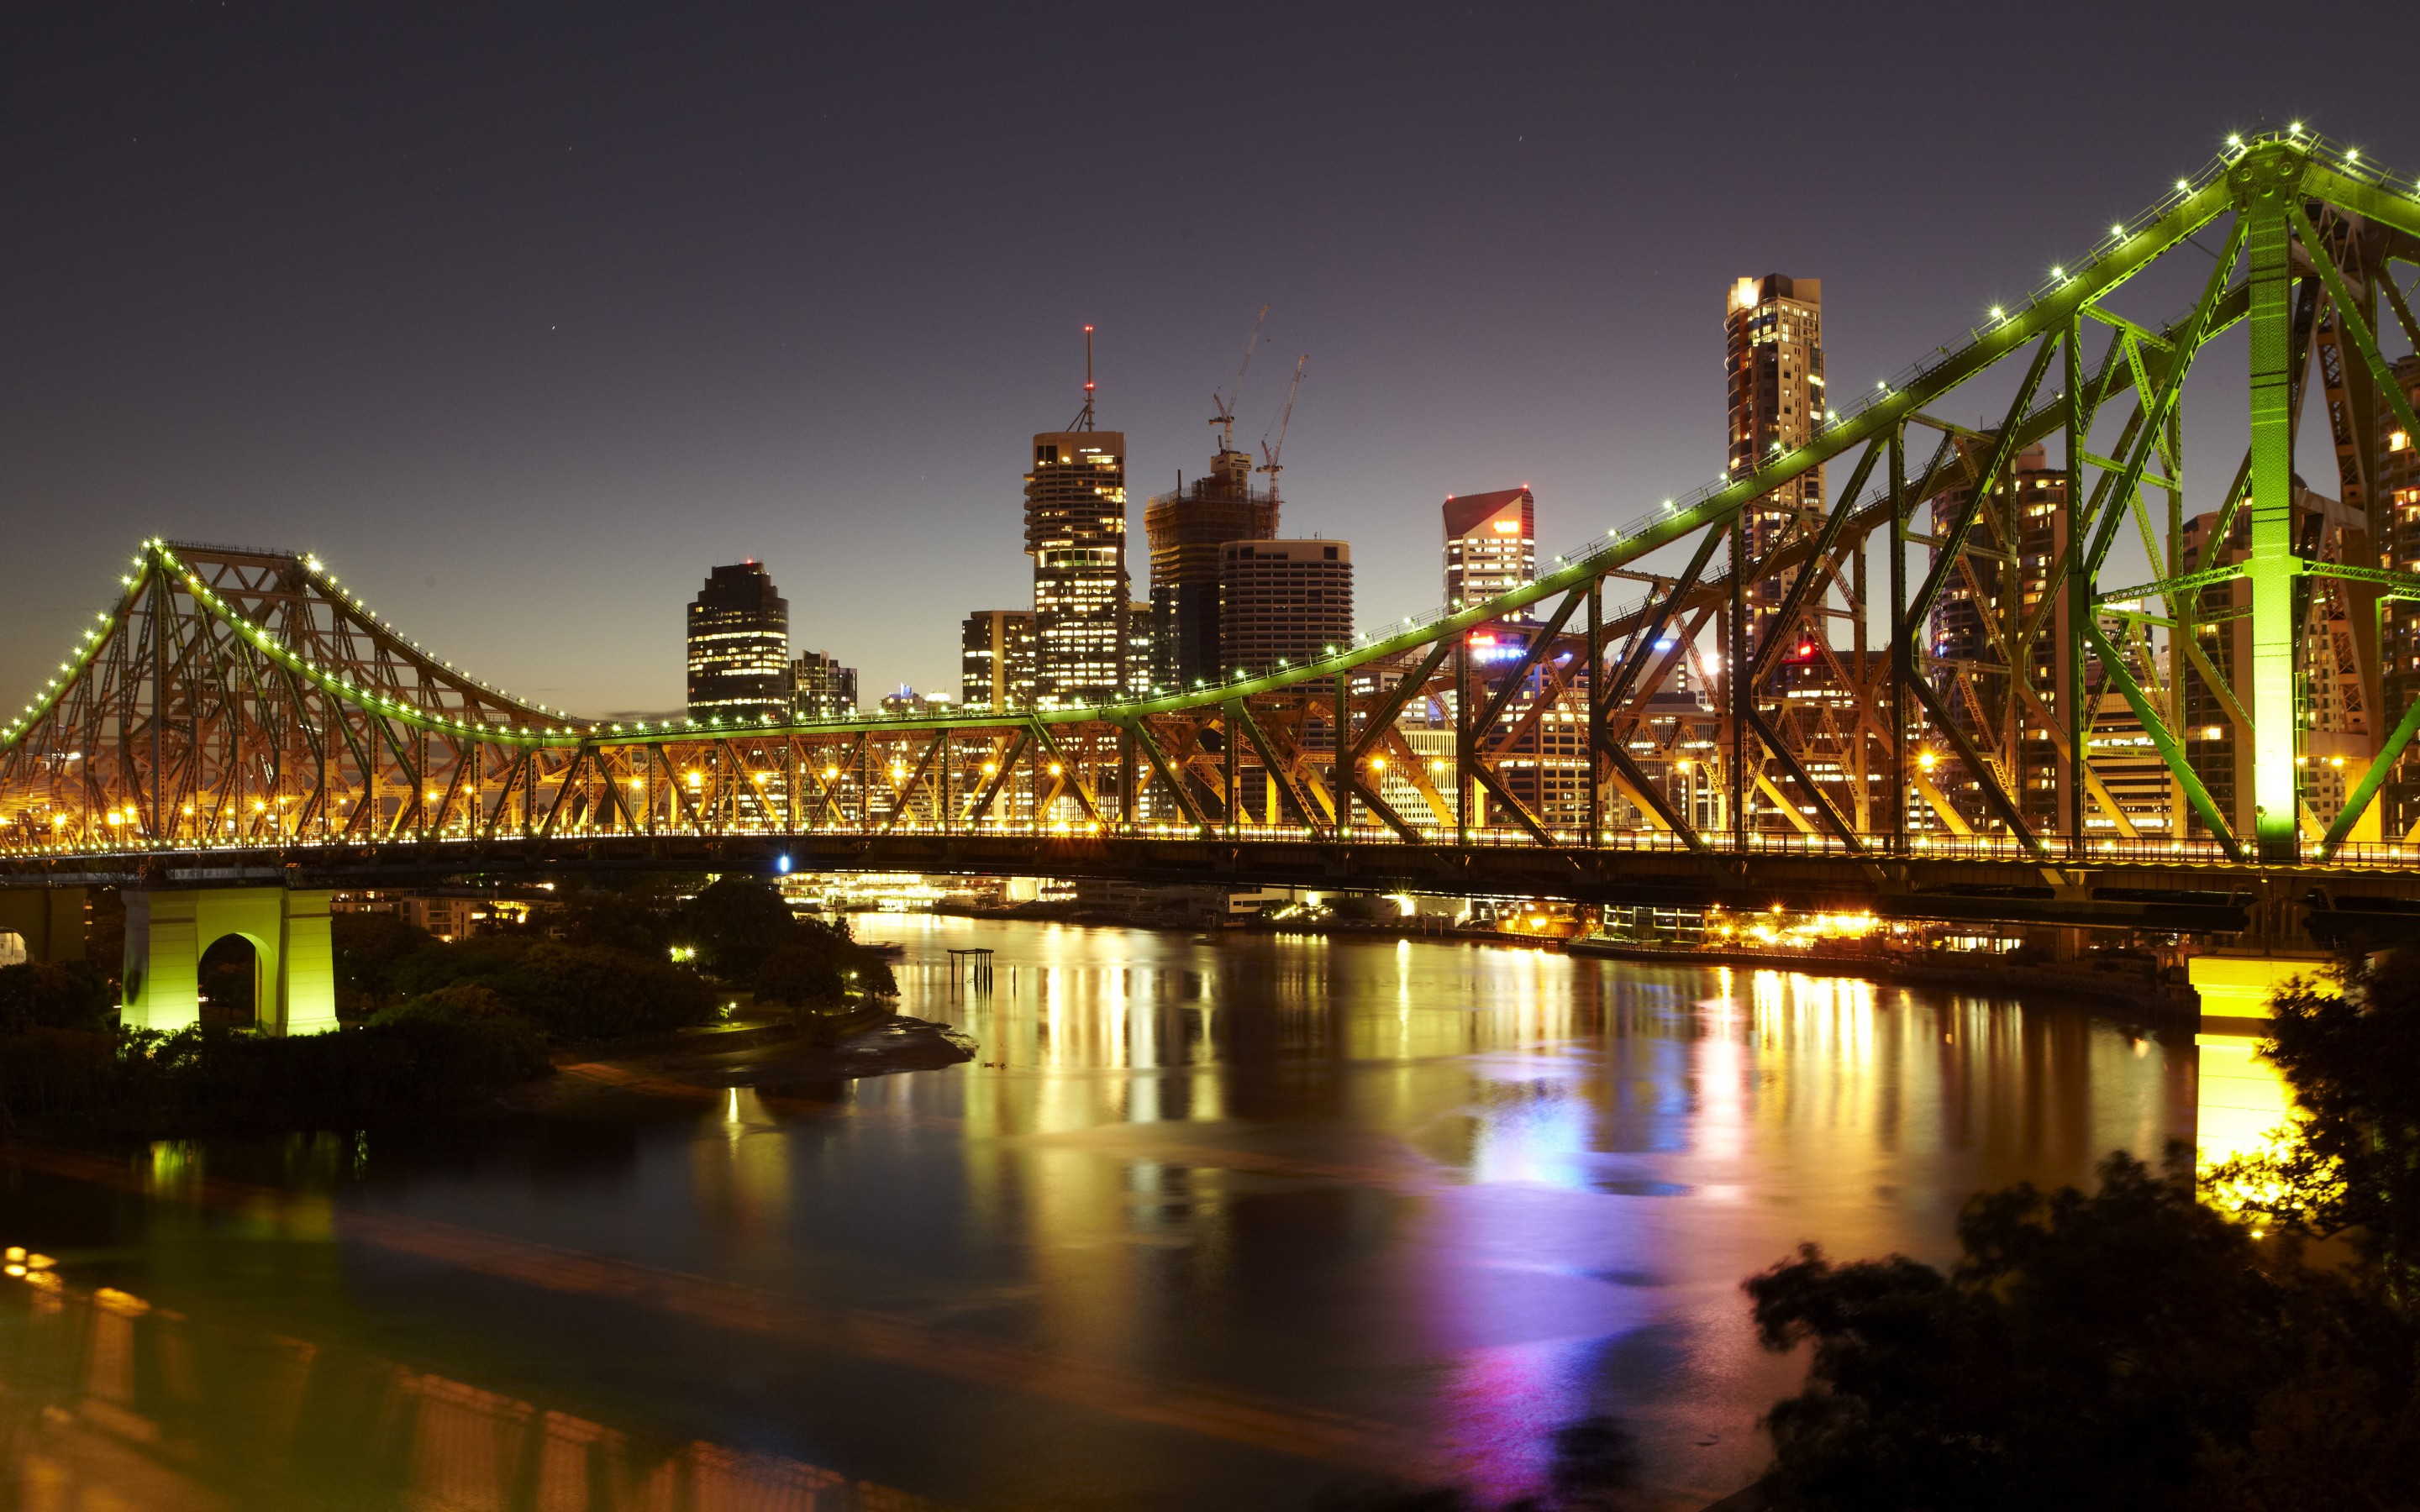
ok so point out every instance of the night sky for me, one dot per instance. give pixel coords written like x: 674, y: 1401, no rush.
x: 524, y: 316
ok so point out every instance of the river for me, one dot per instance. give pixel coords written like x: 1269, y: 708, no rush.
x: 1205, y: 1226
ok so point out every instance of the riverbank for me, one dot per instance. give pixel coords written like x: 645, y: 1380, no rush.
x: 1995, y: 974
x: 2136, y: 992
x: 775, y: 1060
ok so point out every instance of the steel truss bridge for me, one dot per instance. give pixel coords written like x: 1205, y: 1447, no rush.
x: 240, y: 715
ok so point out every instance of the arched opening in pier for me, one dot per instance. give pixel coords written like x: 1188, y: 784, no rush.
x: 230, y: 982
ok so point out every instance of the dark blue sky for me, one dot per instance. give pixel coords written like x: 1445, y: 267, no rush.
x: 524, y: 316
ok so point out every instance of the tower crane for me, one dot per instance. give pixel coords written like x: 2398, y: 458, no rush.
x: 1225, y: 418
x: 1273, y: 466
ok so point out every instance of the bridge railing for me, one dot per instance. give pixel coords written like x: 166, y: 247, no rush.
x: 1932, y: 846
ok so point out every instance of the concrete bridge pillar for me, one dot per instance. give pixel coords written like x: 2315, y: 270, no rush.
x: 169, y: 929
x: 47, y: 924
x: 2240, y: 1099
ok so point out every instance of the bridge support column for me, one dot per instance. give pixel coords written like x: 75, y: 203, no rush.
x: 2240, y: 1099
x: 48, y: 923
x: 169, y: 929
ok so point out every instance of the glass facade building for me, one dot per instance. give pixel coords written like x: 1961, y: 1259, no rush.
x: 739, y: 647
x: 1076, y: 533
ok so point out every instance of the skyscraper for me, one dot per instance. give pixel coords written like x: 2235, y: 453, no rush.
x: 1076, y: 532
x: 740, y: 646
x: 821, y: 688
x: 1774, y: 328
x: 1491, y: 546
x: 1190, y: 528
x: 1283, y: 602
x: 2395, y: 532
x: 996, y: 660
x: 2018, y: 536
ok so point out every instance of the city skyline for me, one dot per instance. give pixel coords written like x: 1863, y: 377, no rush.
x: 523, y: 392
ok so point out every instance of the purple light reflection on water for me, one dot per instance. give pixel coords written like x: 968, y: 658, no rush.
x: 1455, y: 1197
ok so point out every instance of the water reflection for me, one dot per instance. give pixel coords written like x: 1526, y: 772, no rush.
x: 1206, y: 1225
x: 107, y: 1402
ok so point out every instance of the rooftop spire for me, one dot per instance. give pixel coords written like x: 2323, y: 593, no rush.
x: 1084, y: 417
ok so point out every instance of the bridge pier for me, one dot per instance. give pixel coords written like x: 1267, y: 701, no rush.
x: 168, y: 930
x: 47, y: 922
x: 2239, y: 1098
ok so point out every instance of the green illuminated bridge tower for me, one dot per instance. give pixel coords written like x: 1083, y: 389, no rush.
x: 2148, y: 721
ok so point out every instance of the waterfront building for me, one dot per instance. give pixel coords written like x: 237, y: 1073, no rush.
x: 739, y: 647
x: 904, y: 703
x: 2337, y: 735
x: 1145, y: 672
x: 2395, y: 530
x: 1491, y: 546
x: 821, y: 688
x: 1076, y: 533
x: 1190, y: 528
x: 1774, y: 328
x: 1283, y: 603
x: 1994, y: 603
x: 996, y: 660
x: 2130, y: 770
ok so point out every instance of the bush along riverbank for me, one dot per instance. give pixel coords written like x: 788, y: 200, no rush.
x: 431, y: 1027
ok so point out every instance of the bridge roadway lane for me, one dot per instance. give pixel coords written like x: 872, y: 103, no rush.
x: 2184, y: 894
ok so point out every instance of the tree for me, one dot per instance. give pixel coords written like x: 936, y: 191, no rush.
x: 628, y: 914
x: 823, y: 964
x: 735, y: 922
x: 2084, y: 1352
x: 572, y: 991
x: 799, y: 976
x: 37, y: 994
x: 2349, y: 1045
x: 460, y: 1002
x: 370, y: 952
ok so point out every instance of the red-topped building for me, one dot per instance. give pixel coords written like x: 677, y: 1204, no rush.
x: 1491, y: 544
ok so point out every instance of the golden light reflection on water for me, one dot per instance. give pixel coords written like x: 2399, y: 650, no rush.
x: 1202, y: 1207
x: 1561, y: 1120
x: 103, y: 1407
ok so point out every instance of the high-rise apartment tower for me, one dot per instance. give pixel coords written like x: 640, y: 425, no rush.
x: 2396, y: 532
x: 1283, y: 603
x: 996, y: 660
x: 821, y: 688
x: 1775, y: 330
x: 1076, y: 533
x: 740, y: 646
x: 1491, y: 546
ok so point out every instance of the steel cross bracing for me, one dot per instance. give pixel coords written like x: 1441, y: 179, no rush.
x: 2008, y: 723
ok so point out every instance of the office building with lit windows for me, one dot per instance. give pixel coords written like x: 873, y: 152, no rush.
x: 2337, y: 734
x: 2003, y: 596
x: 1773, y: 327
x: 821, y: 688
x: 1283, y: 603
x: 1076, y: 533
x: 996, y: 660
x: 2394, y: 529
x: 739, y: 647
x: 1491, y: 546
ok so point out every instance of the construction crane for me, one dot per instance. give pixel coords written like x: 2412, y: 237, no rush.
x: 1273, y: 466
x: 1225, y: 418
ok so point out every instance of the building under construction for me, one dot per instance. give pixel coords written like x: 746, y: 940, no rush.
x: 1190, y: 528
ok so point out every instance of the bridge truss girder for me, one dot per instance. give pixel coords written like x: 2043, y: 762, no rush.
x: 235, y: 699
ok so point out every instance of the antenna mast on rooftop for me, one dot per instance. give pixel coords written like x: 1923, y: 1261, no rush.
x: 1273, y: 466
x: 1225, y: 418
x: 1084, y: 417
